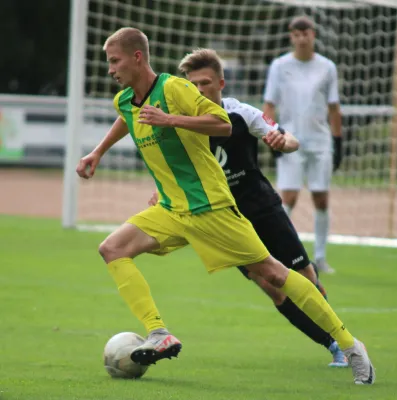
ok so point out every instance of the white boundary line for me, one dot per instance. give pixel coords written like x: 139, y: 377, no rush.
x: 266, y: 308
x: 96, y: 228
x: 353, y: 240
x: 306, y: 237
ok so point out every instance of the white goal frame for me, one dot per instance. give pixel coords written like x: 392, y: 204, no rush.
x: 76, y: 104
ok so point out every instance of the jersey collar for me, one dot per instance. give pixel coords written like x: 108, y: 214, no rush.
x: 146, y: 95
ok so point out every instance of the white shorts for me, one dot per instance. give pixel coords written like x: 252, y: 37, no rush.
x: 312, y: 168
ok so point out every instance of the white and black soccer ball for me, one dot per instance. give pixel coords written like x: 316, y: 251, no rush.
x: 116, y: 356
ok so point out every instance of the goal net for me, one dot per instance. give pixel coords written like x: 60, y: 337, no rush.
x: 359, y: 36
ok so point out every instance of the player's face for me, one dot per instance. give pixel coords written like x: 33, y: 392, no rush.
x: 208, y: 83
x: 302, y: 40
x: 123, y: 67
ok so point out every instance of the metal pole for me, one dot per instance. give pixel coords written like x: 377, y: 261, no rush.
x: 75, y: 108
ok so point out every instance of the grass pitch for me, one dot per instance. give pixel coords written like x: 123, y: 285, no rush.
x: 59, y: 306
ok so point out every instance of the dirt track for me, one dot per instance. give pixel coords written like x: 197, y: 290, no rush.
x: 39, y: 193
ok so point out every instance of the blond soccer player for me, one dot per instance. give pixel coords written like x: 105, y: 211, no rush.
x: 170, y: 123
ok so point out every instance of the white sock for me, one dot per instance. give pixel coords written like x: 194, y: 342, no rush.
x: 287, y: 209
x: 321, y: 226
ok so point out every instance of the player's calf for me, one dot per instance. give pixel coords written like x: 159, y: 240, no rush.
x: 270, y: 270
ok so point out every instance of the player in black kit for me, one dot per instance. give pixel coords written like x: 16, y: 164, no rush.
x: 255, y: 196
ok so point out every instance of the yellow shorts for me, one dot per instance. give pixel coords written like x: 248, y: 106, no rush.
x: 222, y: 238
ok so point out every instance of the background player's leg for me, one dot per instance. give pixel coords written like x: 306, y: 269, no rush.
x: 289, y: 198
x: 319, y: 173
x: 321, y: 229
x: 289, y: 171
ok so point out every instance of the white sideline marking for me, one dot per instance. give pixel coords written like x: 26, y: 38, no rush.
x: 364, y: 310
x: 306, y: 237
x: 353, y: 240
x: 264, y: 308
x: 97, y: 228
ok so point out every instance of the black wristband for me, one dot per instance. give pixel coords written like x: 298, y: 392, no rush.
x: 337, y: 152
x: 338, y: 144
x: 281, y: 130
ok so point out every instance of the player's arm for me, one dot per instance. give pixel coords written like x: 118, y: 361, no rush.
x: 87, y: 165
x: 335, y: 116
x: 207, y: 124
x: 118, y: 130
x: 335, y: 119
x: 271, y: 98
x: 260, y: 125
x: 154, y: 199
x: 269, y: 109
x: 289, y: 143
x: 194, y: 112
x: 271, y: 92
x: 281, y: 140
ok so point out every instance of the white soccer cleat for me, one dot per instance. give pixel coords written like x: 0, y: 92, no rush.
x: 363, y: 370
x: 157, y: 346
x: 324, y: 267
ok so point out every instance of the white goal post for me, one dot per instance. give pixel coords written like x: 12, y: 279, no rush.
x: 360, y: 36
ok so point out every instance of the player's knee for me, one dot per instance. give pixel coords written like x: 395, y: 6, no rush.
x: 291, y: 203
x: 289, y: 199
x: 321, y: 206
x: 103, y: 249
x: 107, y: 251
x: 320, y: 200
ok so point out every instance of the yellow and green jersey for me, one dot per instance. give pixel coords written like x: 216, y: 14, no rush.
x: 188, y: 177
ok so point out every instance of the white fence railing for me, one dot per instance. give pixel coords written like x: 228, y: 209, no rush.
x: 33, y: 128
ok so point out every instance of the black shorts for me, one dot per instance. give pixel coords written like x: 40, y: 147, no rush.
x: 281, y: 239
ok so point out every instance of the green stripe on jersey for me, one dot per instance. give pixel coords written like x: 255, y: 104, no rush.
x: 127, y: 95
x: 177, y: 157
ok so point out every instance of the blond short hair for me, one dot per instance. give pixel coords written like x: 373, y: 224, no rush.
x: 130, y: 40
x: 201, y: 58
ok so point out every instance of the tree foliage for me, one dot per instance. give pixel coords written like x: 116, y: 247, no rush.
x: 34, y: 43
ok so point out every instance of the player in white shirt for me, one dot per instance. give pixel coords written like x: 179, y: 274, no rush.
x: 302, y: 87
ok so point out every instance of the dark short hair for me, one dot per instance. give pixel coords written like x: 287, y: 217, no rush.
x: 301, y: 23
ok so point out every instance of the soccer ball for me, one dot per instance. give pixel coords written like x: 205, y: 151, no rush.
x: 116, y: 356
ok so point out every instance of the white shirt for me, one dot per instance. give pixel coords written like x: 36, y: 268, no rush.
x: 257, y: 123
x: 301, y: 92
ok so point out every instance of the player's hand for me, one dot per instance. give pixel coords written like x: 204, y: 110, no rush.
x: 154, y: 199
x: 154, y: 116
x: 87, y: 165
x: 275, y: 140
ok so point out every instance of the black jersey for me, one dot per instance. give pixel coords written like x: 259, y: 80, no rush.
x: 238, y: 156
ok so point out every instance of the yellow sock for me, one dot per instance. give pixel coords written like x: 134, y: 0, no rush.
x: 136, y: 292
x: 306, y: 296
